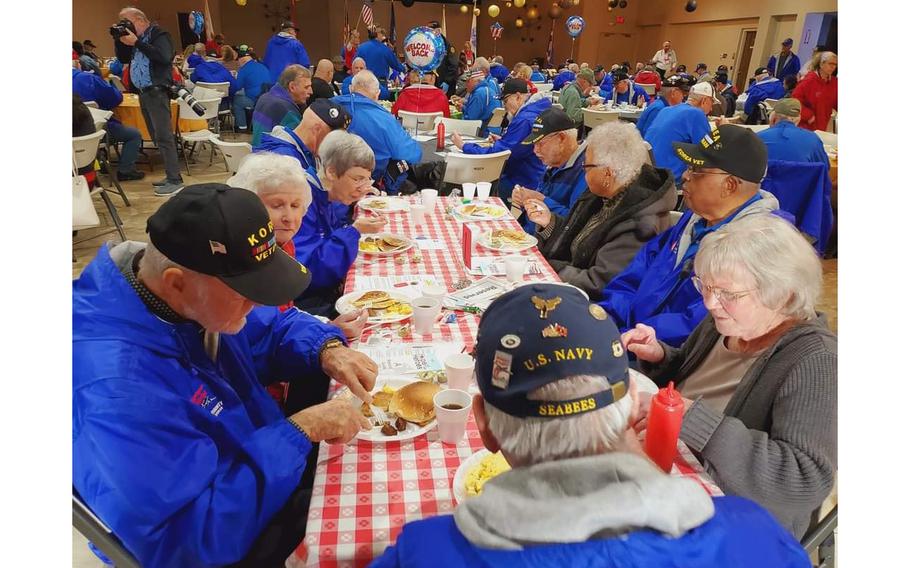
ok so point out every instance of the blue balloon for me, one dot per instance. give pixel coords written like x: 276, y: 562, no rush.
x: 423, y: 49
x: 575, y: 25
x: 198, y: 22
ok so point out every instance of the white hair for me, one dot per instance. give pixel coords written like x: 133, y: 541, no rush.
x: 356, y: 59
x: 134, y: 12
x: 483, y: 64
x: 825, y: 56
x: 573, y: 67
x: 778, y: 117
x: 365, y: 83
x: 199, y: 48
x: 619, y: 146
x: 790, y: 282
x: 267, y: 172
x: 153, y: 262
x: 530, y: 441
x: 497, y: 59
x: 341, y: 151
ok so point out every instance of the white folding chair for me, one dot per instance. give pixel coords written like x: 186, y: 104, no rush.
x: 647, y: 87
x: 85, y: 150
x: 828, y: 138
x: 467, y: 127
x: 224, y: 90
x: 544, y: 87
x: 496, y: 119
x: 593, y: 118
x: 117, y: 82
x: 418, y: 121
x: 233, y: 152
x: 98, y: 533
x: 465, y: 168
x: 90, y: 104
x: 197, y: 136
x: 559, y: 106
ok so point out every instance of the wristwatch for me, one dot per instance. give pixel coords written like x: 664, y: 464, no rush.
x: 330, y: 344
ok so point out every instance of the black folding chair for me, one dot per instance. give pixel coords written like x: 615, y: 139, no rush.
x: 821, y: 538
x: 98, y: 534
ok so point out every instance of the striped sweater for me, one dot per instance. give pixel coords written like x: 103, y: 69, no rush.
x: 776, y: 441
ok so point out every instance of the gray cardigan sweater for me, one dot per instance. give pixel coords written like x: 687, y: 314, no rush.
x: 776, y: 441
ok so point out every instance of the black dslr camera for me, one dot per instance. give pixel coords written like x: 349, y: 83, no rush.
x: 122, y: 28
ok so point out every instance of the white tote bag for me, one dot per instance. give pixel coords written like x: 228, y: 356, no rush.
x: 84, y: 214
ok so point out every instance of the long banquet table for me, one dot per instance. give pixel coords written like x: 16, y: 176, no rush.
x: 365, y: 492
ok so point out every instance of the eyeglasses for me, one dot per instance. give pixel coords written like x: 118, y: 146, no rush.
x: 725, y: 297
x: 359, y: 181
x: 696, y: 171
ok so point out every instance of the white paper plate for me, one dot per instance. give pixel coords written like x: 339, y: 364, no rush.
x: 495, y: 211
x: 384, y: 204
x: 458, y: 490
x: 375, y: 435
x: 485, y: 240
x: 408, y: 244
x: 343, y: 306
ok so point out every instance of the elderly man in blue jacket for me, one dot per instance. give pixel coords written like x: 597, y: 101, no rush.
x: 785, y: 63
x: 625, y: 91
x: 764, y: 87
x: 285, y: 49
x: 581, y: 491
x: 390, y: 142
x: 480, y: 102
x: 379, y: 59
x: 523, y: 167
x: 214, y: 72
x: 177, y: 446
x: 786, y: 141
x: 673, y: 92
x: 722, y: 173
x: 91, y: 87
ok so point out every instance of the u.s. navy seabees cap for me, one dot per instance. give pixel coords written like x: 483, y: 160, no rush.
x: 225, y: 232
x: 539, y: 334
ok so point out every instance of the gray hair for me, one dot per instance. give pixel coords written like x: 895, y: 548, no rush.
x: 341, y: 151
x: 483, y: 64
x: 775, y: 117
x: 573, y: 67
x: 790, y: 284
x: 134, y: 12
x: 356, y: 59
x: 365, y: 82
x: 267, y: 172
x: 530, y: 441
x: 291, y: 73
x: 153, y: 262
x: 199, y: 48
x: 619, y: 146
x: 825, y: 56
x: 497, y: 59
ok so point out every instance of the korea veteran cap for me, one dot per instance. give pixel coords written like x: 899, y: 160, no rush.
x: 733, y: 149
x: 225, y: 232
x: 541, y: 333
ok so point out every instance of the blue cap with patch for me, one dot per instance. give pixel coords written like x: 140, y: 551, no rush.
x: 539, y: 334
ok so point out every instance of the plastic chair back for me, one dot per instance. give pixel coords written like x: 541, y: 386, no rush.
x: 85, y: 148
x: 233, y: 152
x: 463, y: 168
x: 594, y: 118
x: 223, y: 88
x: 496, y: 118
x: 468, y: 127
x: 420, y: 121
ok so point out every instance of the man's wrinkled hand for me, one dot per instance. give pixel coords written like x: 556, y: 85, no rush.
x: 352, y: 323
x: 352, y: 369
x: 336, y: 421
x: 129, y: 39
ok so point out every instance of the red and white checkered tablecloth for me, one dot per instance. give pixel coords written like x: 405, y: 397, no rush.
x: 364, y: 492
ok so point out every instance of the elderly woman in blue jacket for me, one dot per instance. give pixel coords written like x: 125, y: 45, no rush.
x: 523, y: 167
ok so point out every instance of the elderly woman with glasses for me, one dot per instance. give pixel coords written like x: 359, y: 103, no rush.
x: 759, y: 373
x: 627, y: 201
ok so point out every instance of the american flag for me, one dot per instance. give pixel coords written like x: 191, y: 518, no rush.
x: 366, y: 13
x: 496, y: 30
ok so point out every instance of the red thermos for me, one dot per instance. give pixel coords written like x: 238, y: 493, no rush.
x: 440, y: 136
x: 664, y: 421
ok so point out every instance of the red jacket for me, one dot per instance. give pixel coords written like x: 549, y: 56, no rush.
x: 649, y: 78
x: 818, y: 98
x: 422, y: 98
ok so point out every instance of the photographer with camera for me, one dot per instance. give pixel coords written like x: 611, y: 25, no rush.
x: 149, y: 51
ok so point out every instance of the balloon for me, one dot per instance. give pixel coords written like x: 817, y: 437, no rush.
x: 463, y: 9
x: 623, y: 3
x: 196, y: 22
x: 508, y: 4
x: 533, y: 13
x: 407, y: 3
x: 519, y: 3
x: 565, y: 4
x: 575, y: 25
x: 691, y: 5
x: 519, y: 23
x: 423, y: 49
x: 476, y: 11
x: 241, y: 2
x: 493, y: 10
x: 555, y: 12
x: 576, y: 2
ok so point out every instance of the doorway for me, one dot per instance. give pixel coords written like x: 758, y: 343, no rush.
x: 187, y: 36
x: 743, y: 57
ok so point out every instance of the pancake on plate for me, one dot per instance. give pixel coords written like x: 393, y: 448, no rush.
x: 370, y: 298
x: 414, y: 402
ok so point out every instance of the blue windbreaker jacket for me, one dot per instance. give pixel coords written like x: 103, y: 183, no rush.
x: 499, y: 72
x: 680, y: 123
x: 561, y: 78
x: 619, y: 98
x: 274, y: 108
x: 790, y: 143
x: 91, y: 87
x: 185, y: 459
x: 523, y: 167
x: 214, y: 72
x: 656, y: 290
x: 282, y: 51
x: 770, y: 88
x: 480, y: 104
x: 251, y: 77
x: 379, y: 59
x: 381, y: 131
x: 740, y: 534
x: 791, y: 67
x: 649, y: 114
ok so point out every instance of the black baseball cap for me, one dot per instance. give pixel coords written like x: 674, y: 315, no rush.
x: 683, y: 82
x: 720, y: 77
x: 512, y: 86
x: 549, y: 121
x: 541, y: 333
x: 243, y: 50
x: 288, y: 24
x: 225, y: 232
x: 733, y: 149
x: 619, y: 75
x: 760, y: 71
x: 331, y: 113
x: 89, y: 43
x: 434, y: 25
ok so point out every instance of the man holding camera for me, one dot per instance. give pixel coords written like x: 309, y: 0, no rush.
x: 149, y: 51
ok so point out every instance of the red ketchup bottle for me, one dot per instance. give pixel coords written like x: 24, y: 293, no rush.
x: 440, y: 136
x: 664, y: 421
